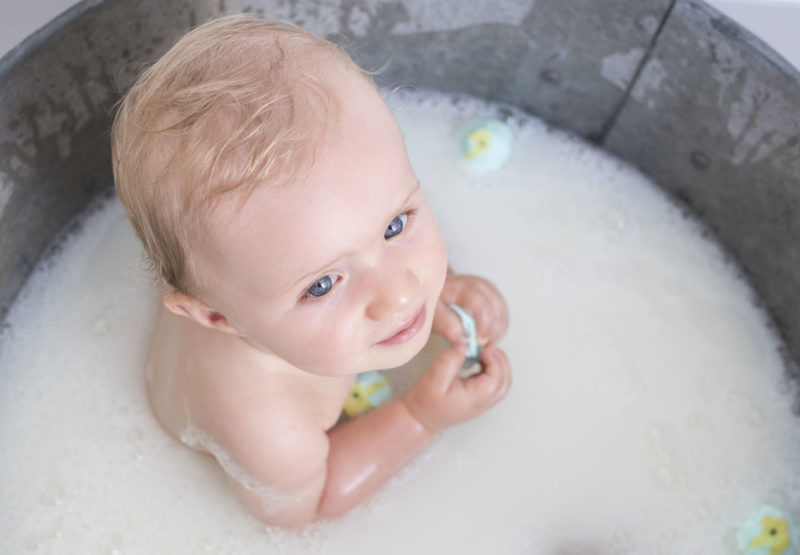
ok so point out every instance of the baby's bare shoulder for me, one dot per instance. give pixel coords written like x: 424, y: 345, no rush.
x: 273, y: 449
x: 275, y: 445
x: 265, y: 424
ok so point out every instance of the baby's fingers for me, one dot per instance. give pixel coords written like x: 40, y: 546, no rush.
x: 444, y: 369
x: 490, y: 311
x: 448, y: 324
x: 480, y: 308
x: 492, y: 384
x: 494, y: 313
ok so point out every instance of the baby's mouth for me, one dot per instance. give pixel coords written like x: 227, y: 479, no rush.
x: 408, y: 330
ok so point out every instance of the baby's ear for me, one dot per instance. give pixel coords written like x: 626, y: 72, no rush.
x: 194, y: 309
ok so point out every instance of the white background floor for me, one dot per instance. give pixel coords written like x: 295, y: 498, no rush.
x: 776, y: 21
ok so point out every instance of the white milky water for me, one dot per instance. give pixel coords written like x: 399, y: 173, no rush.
x: 649, y: 411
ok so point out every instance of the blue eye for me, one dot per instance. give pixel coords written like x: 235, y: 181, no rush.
x: 396, y: 226
x: 322, y: 286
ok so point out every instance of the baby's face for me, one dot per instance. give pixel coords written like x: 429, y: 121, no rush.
x: 340, y: 272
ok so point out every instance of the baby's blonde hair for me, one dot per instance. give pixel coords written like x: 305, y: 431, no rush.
x: 227, y: 109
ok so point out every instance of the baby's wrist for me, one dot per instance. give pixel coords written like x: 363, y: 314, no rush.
x: 412, y: 414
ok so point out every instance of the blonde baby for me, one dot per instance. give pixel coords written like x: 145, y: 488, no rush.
x: 271, y: 189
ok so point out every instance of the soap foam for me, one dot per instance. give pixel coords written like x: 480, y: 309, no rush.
x: 271, y: 501
x: 650, y: 411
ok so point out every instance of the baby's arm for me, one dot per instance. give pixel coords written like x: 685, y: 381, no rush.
x: 313, y: 475
x: 366, y: 452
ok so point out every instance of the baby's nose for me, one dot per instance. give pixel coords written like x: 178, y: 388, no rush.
x: 392, y: 294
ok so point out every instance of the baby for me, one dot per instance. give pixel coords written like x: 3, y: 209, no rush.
x: 270, y: 186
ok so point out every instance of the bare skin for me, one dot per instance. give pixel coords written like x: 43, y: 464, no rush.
x: 305, y: 286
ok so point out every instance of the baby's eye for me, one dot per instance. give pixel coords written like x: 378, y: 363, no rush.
x: 396, y: 226
x: 322, y: 286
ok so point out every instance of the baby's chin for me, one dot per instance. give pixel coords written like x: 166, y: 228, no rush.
x: 380, y: 358
x: 377, y: 357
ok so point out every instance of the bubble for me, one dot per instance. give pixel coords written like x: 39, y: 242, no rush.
x: 655, y: 433
x: 701, y: 510
x: 52, y: 495
x: 665, y: 476
x: 101, y: 326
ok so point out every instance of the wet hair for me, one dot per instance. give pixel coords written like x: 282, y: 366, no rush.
x: 234, y: 105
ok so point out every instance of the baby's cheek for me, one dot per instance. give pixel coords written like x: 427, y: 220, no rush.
x: 334, y: 351
x: 437, y: 262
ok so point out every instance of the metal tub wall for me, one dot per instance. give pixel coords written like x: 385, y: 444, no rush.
x: 697, y: 103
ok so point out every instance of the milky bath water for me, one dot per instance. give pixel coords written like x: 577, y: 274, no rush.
x: 650, y: 411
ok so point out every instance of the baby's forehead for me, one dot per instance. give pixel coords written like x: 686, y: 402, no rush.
x: 357, y: 178
x: 281, y: 236
x: 275, y: 237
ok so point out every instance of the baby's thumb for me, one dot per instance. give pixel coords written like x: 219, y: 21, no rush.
x: 445, y: 368
x: 447, y: 323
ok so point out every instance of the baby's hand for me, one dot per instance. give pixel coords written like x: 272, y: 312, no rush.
x: 481, y: 299
x: 440, y: 399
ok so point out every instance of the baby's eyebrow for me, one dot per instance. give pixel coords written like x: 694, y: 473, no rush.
x: 309, y: 275
x: 411, y: 194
